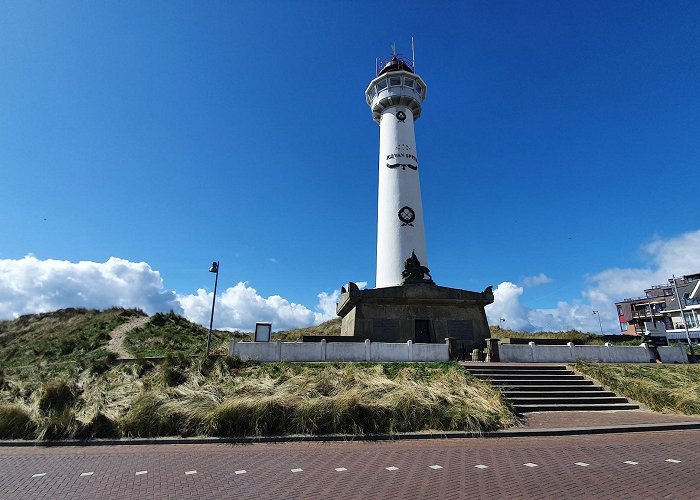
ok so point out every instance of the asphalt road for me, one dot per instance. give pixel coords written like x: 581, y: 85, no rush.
x: 638, y: 465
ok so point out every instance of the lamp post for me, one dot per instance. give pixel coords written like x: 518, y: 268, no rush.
x: 503, y: 323
x: 685, y: 322
x: 213, y: 269
x: 600, y: 324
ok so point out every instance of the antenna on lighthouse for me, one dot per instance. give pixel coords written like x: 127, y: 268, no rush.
x: 393, y: 49
x: 413, y: 54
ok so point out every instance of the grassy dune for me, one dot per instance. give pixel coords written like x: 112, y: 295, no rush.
x: 226, y: 397
x: 663, y: 388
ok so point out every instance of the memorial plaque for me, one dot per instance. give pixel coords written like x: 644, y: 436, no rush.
x: 460, y: 329
x: 385, y: 330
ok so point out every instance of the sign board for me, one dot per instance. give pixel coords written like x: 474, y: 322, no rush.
x: 263, y: 331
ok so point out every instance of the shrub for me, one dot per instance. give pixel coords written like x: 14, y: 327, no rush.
x: 59, y: 425
x: 100, y: 426
x: 56, y: 395
x: 15, y: 422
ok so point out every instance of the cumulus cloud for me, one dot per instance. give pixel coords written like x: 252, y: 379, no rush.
x: 533, y: 281
x: 30, y: 285
x: 678, y: 255
x: 241, y: 306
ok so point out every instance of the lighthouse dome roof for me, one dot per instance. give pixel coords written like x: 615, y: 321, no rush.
x: 396, y: 63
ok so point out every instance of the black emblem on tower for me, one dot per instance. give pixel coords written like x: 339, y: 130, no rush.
x: 401, y: 116
x: 407, y: 216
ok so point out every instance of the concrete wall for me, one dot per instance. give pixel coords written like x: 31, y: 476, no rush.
x: 570, y: 353
x: 338, y: 351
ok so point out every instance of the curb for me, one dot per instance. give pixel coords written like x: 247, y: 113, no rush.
x: 571, y: 431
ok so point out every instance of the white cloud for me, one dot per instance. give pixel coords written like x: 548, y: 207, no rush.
x: 30, y: 285
x: 240, y: 307
x: 533, y: 281
x: 679, y: 255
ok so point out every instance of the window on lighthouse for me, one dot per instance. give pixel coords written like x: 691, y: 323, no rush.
x: 394, y: 82
x: 408, y: 82
x: 381, y: 85
x: 419, y: 89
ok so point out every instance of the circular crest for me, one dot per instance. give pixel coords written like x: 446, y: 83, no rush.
x: 407, y: 215
x: 401, y: 116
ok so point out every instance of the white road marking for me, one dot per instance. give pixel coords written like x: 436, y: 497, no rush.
x: 530, y: 464
x: 141, y: 472
x: 241, y: 471
x: 582, y: 464
x: 631, y: 462
x: 41, y: 474
x: 190, y: 472
x: 481, y: 466
x: 436, y: 467
x: 392, y: 468
x: 673, y: 461
x: 297, y: 470
x: 86, y: 474
x: 340, y: 469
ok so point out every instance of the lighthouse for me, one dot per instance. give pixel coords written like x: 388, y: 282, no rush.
x: 396, y: 97
x: 406, y: 303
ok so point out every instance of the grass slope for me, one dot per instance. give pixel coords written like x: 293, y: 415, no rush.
x: 77, y: 336
x: 167, y: 334
x: 581, y: 338
x: 663, y: 388
x: 226, y: 397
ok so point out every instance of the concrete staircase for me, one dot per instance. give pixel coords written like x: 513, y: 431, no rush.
x: 538, y: 387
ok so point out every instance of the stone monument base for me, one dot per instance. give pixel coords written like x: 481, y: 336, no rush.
x: 421, y: 312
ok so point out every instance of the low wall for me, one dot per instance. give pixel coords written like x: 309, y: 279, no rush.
x: 338, y: 351
x: 570, y: 353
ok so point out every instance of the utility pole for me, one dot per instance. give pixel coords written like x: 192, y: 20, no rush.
x: 600, y: 324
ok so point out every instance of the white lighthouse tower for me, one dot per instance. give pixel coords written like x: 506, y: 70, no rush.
x: 395, y: 97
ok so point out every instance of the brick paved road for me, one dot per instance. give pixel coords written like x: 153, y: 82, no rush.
x: 640, y: 465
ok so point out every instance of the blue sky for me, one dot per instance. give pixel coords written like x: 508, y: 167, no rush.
x: 557, y: 138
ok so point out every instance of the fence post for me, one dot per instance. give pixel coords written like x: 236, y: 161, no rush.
x: 492, y: 350
x: 232, y: 347
x: 279, y: 350
x: 368, y: 350
x: 323, y: 349
x: 410, y: 350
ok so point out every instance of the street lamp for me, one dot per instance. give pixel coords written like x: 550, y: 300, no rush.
x: 213, y: 269
x: 503, y: 322
x: 600, y: 324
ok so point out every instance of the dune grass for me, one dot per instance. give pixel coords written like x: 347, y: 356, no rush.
x: 170, y: 333
x: 74, y: 336
x: 577, y: 336
x: 227, y: 397
x: 330, y: 328
x: 663, y: 388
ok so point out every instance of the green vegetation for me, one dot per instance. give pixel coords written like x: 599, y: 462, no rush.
x: 580, y: 338
x: 71, y: 336
x: 329, y: 328
x: 227, y: 397
x: 663, y: 388
x: 167, y: 334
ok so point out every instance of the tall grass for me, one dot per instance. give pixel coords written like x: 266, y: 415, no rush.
x: 228, y: 397
x: 663, y: 388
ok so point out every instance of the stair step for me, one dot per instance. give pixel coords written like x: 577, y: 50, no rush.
x: 567, y: 401
x: 511, y: 382
x: 547, y: 373
x: 558, y: 394
x: 516, y: 376
x: 506, y: 366
x: 576, y: 407
x: 549, y: 388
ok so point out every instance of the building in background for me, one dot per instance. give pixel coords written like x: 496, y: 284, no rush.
x: 659, y: 310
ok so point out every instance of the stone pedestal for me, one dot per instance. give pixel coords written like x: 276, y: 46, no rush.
x: 421, y: 312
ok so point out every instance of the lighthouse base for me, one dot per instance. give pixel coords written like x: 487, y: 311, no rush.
x: 421, y: 312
